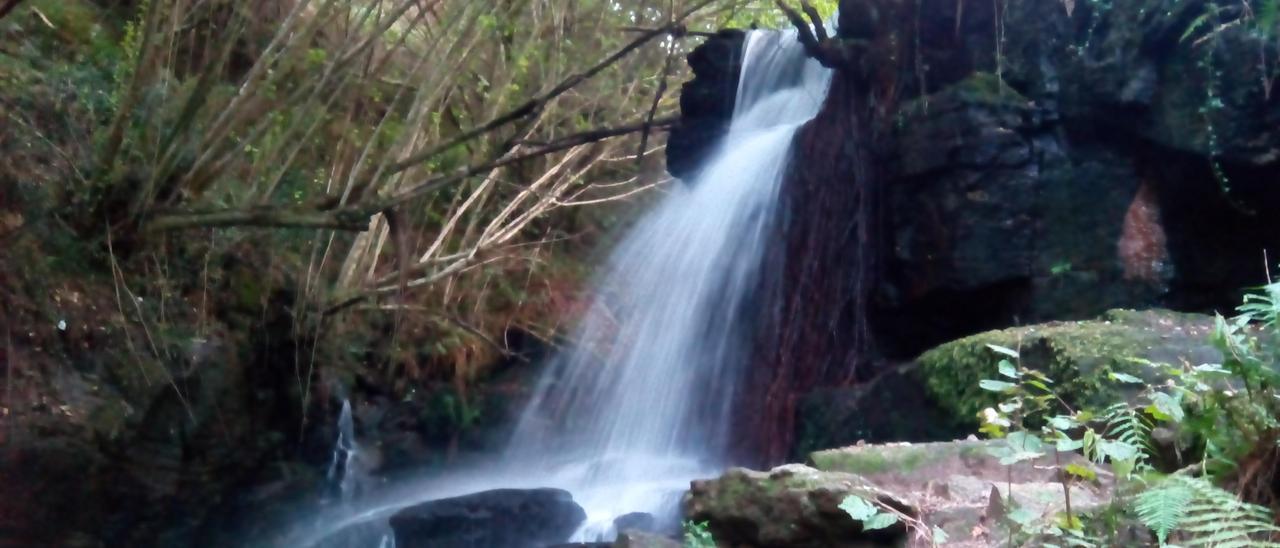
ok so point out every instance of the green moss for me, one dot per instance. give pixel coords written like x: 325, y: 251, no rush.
x: 903, y: 459
x: 1078, y: 356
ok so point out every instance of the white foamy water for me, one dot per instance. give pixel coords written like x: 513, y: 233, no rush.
x: 643, y: 403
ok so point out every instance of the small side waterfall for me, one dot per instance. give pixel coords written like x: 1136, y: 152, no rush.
x: 342, y: 472
x: 643, y: 403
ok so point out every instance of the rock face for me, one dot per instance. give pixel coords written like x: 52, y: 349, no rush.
x: 1091, y: 160
x: 706, y: 102
x: 983, y: 165
x: 502, y: 518
x: 957, y: 487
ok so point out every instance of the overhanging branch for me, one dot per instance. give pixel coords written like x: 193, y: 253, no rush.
x: 356, y: 216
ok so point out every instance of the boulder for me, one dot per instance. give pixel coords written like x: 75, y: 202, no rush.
x: 501, y: 518
x: 957, y: 487
x: 790, y: 506
x: 635, y: 521
x: 641, y: 539
x: 1077, y: 355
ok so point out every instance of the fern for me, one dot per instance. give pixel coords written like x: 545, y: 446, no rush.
x: 1163, y: 507
x: 1127, y: 425
x: 1203, y: 514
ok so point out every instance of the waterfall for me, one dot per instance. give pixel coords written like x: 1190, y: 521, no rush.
x: 643, y: 401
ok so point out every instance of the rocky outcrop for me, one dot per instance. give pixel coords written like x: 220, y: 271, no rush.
x: 979, y: 165
x: 706, y: 102
x: 502, y: 518
x: 959, y: 488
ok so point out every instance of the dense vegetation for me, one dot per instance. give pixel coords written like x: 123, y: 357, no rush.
x: 433, y: 165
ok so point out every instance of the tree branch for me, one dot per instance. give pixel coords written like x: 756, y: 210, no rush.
x: 537, y: 103
x: 819, y: 46
x: 8, y: 6
x: 356, y: 216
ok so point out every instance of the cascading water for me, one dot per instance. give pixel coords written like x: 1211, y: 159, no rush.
x: 642, y: 404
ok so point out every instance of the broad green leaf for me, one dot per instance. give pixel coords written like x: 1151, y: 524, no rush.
x: 1025, y: 441
x: 1007, y: 369
x: 996, y: 386
x: 1122, y: 377
x: 1068, y: 444
x: 858, y: 508
x: 879, y: 521
x: 1063, y: 422
x: 1168, y: 406
x: 1002, y: 350
x: 1117, y: 450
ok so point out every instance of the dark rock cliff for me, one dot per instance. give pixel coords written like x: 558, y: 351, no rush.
x: 981, y: 165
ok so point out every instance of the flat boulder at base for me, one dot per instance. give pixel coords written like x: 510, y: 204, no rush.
x: 502, y: 518
x: 957, y: 487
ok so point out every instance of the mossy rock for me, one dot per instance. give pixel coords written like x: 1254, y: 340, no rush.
x: 791, y: 506
x: 1079, y: 356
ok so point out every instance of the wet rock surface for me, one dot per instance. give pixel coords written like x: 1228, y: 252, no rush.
x: 502, y: 518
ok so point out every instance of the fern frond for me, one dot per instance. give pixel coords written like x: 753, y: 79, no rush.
x: 1163, y: 507
x: 1203, y: 514
x: 1127, y: 425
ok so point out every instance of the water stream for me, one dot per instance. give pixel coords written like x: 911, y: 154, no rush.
x: 643, y: 403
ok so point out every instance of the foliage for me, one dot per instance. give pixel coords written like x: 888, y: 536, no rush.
x: 1214, y: 415
x: 867, y: 512
x: 168, y: 125
x: 697, y: 535
x: 1202, y: 514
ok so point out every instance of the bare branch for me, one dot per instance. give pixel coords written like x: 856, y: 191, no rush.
x: 535, y: 104
x: 356, y: 217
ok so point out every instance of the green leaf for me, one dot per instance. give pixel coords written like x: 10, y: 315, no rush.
x: 1040, y: 385
x: 1117, y: 450
x: 1025, y: 441
x: 1081, y: 471
x: 1122, y: 377
x: 996, y: 386
x: 1020, y: 456
x: 939, y: 536
x: 1068, y: 444
x: 858, y: 508
x: 1063, y: 422
x: 879, y: 521
x: 1002, y: 350
x: 1007, y: 369
x: 1168, y: 407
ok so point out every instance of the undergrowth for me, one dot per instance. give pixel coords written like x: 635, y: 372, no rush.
x: 1192, y: 451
